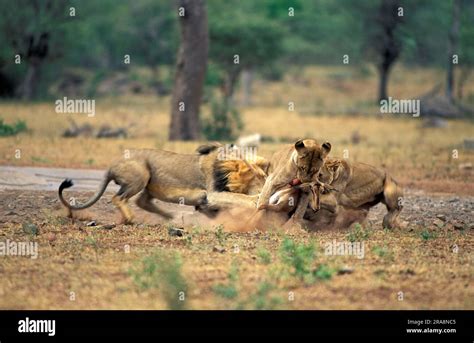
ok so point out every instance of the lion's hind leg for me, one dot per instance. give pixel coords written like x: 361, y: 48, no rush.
x: 132, y: 177
x: 144, y: 201
x: 392, y: 198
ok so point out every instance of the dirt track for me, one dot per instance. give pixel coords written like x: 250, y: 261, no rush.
x: 430, y: 261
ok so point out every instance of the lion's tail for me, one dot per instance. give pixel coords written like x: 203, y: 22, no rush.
x: 68, y: 183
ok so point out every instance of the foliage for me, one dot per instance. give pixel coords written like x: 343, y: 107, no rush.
x: 264, y: 256
x: 358, y: 233
x: 300, y: 259
x: 162, y: 271
x: 223, y: 123
x: 229, y: 290
x: 263, y: 33
x: 255, y: 39
x: 323, y: 272
x: 427, y: 235
x: 262, y: 298
x: 12, y: 130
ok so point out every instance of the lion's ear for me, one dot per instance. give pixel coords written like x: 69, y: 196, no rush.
x: 326, y: 146
x: 299, y: 145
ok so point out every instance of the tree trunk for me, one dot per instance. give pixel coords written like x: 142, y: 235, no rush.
x: 190, y: 71
x: 452, y: 48
x: 30, y: 83
x: 229, y: 84
x: 247, y: 80
x: 383, y: 82
x: 464, y: 74
x: 387, y: 44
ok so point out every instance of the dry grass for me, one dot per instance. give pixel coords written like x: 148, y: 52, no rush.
x: 396, y: 142
x: 94, y: 264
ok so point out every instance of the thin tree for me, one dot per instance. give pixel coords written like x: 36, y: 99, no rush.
x: 453, y: 42
x: 190, y: 70
x: 386, y: 42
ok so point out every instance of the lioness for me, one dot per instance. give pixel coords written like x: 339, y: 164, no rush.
x: 302, y: 162
x: 357, y: 186
x: 189, y: 179
x: 349, y: 190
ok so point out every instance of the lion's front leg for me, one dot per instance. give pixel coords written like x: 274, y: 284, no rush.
x: 295, y: 223
x: 221, y: 200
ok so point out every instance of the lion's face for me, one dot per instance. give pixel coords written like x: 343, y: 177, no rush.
x: 310, y: 157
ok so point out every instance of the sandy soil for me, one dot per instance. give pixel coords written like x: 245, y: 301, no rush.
x: 90, y: 267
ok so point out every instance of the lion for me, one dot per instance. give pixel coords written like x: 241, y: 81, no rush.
x: 348, y: 190
x: 298, y: 163
x: 203, y: 180
x: 356, y: 187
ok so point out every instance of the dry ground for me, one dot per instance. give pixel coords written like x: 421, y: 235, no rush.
x: 430, y: 261
x: 431, y: 265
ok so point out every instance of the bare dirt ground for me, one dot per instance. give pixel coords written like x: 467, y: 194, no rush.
x: 427, y: 265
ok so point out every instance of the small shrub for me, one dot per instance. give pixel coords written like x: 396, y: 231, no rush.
x: 12, y: 130
x: 226, y: 291
x: 383, y: 252
x: 264, y: 256
x: 229, y: 290
x: 357, y: 234
x: 220, y: 234
x: 323, y: 272
x: 262, y: 299
x: 163, y: 271
x: 223, y: 123
x: 426, y: 235
x: 298, y: 257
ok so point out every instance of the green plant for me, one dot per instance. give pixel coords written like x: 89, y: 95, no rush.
x: 39, y: 159
x: 226, y: 291
x: 229, y: 290
x: 220, y: 234
x: 224, y: 121
x: 426, y: 235
x: 383, y: 252
x: 262, y: 299
x: 162, y: 271
x: 298, y: 257
x: 323, y: 272
x: 357, y: 234
x: 264, y: 256
x: 12, y: 130
x: 94, y: 244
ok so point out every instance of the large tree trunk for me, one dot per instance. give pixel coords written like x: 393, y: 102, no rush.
x: 464, y: 74
x: 386, y: 42
x: 383, y: 82
x: 247, y: 80
x: 36, y: 53
x: 30, y: 83
x: 453, y: 39
x: 190, y: 71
